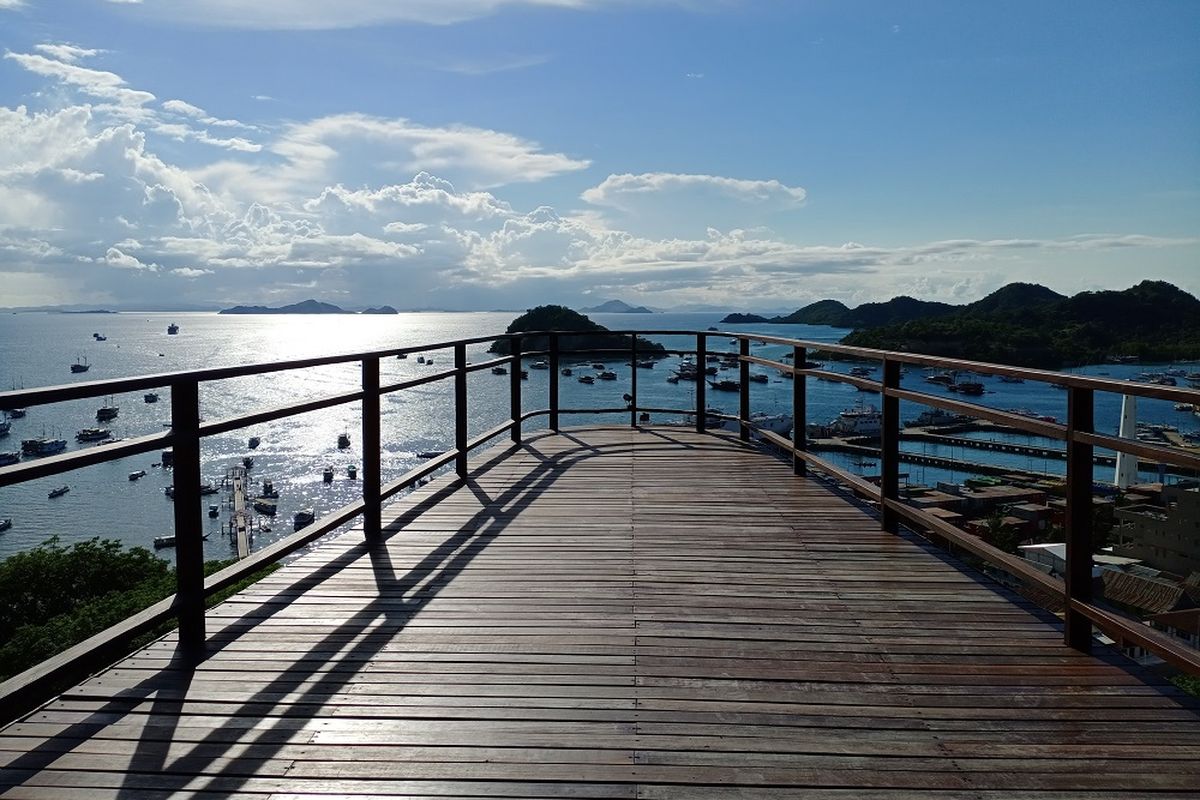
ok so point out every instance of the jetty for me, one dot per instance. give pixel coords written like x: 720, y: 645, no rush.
x: 608, y: 611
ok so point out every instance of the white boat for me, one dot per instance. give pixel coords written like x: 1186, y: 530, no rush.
x: 540, y: 364
x: 775, y: 423
x: 5, y: 524
x: 164, y: 541
x: 859, y: 421
x: 92, y: 434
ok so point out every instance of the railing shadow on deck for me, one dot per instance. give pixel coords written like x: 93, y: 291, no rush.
x: 167, y: 691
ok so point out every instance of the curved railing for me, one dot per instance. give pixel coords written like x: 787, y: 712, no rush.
x: 188, y: 430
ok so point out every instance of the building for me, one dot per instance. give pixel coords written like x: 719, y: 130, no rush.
x: 1164, y: 536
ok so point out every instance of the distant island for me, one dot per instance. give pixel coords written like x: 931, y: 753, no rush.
x: 617, y: 307
x: 1024, y: 324
x: 91, y: 311
x: 592, y: 336
x: 305, y: 307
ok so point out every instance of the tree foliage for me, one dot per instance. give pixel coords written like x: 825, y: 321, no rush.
x: 592, y: 336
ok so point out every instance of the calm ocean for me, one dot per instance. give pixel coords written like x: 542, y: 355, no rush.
x: 37, y: 349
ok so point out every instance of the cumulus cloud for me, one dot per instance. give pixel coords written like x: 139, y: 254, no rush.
x: 622, y: 190
x: 97, y: 83
x: 67, y: 52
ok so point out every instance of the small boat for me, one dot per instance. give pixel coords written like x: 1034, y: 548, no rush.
x: 99, y: 337
x: 43, y: 446
x: 16, y: 413
x: 59, y: 492
x: 1011, y: 379
x: 150, y: 397
x: 265, y: 505
x: 106, y: 413
x: 343, y: 441
x: 428, y: 454
x: 352, y: 472
x: 725, y: 386
x: 586, y: 379
x: 607, y: 376
x: 420, y: 359
x: 402, y: 355
x: 429, y: 361
x: 207, y: 488
x: 758, y: 377
x: 861, y: 372
x: 598, y: 366
x: 248, y: 462
x: 254, y: 442
x: 172, y: 329
x: 499, y: 371
x: 164, y: 541
x: 5, y: 427
x: 92, y: 434
x: 9, y: 458
x: 214, y: 512
x: 646, y: 364
x: 967, y: 387
x: 268, y: 490
x: 672, y: 379
x: 5, y: 524
x: 303, y: 518
x: 80, y: 365
x: 524, y: 374
x: 327, y: 475
x: 540, y: 364
x: 943, y: 378
x: 566, y: 372
x: 1184, y: 407
x: 141, y: 473
x: 644, y: 416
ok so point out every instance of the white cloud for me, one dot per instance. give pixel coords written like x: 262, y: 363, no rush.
x: 189, y: 272
x: 94, y: 82
x: 67, y: 52
x: 622, y: 191
x: 114, y: 257
x: 11, y: 4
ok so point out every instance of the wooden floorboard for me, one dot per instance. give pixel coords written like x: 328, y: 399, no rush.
x: 611, y: 613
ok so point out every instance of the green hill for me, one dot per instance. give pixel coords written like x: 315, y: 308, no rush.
x: 591, y: 336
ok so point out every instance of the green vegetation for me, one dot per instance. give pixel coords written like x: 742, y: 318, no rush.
x: 1029, y: 325
x: 1188, y: 683
x: 742, y: 319
x: 53, y: 597
x: 560, y: 318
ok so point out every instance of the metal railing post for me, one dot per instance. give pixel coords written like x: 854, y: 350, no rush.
x: 743, y: 389
x: 554, y: 380
x: 514, y: 389
x: 889, y: 446
x: 633, y: 368
x: 1080, y: 419
x: 189, y: 534
x: 460, y: 410
x: 799, y: 411
x: 371, y: 450
x: 701, y: 360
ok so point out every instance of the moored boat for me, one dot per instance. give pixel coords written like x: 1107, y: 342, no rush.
x: 725, y: 385
x: 265, y: 505
x: 92, y: 434
x: 327, y: 475
x: 5, y: 524
x: 172, y: 329
x: 9, y: 458
x: 499, y: 370
x: 81, y: 365
x: 268, y: 490
x: 141, y: 473
x: 586, y: 379
x: 150, y: 397
x: 343, y: 441
x: 607, y: 376
x: 303, y: 518
x: 253, y: 442
x: 59, y: 492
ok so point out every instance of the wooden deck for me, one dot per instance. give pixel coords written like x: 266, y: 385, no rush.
x: 626, y: 614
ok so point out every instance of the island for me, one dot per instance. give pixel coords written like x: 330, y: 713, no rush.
x: 742, y: 319
x: 304, y: 307
x: 380, y: 310
x: 589, y: 335
x: 617, y: 307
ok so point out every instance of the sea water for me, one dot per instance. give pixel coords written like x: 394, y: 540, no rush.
x: 37, y: 349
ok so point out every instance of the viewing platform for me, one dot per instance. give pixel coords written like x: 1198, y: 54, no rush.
x: 618, y: 612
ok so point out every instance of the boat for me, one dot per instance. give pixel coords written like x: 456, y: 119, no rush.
x: 99, y: 337
x: 402, y: 356
x: 725, y: 385
x: 780, y: 424
x: 327, y: 475
x: 499, y: 371
x: 420, y: 359
x: 524, y: 374
x: 59, y: 492
x: 150, y: 397
x: 16, y: 413
x: 80, y: 365
x: 429, y: 454
x: 248, y: 462
x: 9, y: 458
x: 5, y: 427
x: 758, y: 377
x: 352, y: 472
x: 253, y: 442
x: 43, y: 446
x: 343, y: 441
x: 598, y: 366
x: 586, y: 379
x: 106, y: 413
x: 164, y: 541
x: 214, y: 512
x: 1184, y: 407
x: 862, y: 372
x: 205, y: 489
x: 967, y: 387
x: 672, y: 379
x: 646, y: 363
x: 268, y: 490
x: 1011, y: 379
x: 92, y: 434
x: 5, y: 524
x: 936, y: 417
x: 644, y: 416
x: 172, y: 329
x: 863, y: 420
x: 607, y: 376
x: 943, y: 378
x: 141, y: 473
x: 566, y: 372
x: 429, y: 361
x: 540, y: 364
x: 303, y: 518
x: 264, y: 505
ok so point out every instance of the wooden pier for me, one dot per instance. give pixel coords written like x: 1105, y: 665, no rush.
x: 618, y: 613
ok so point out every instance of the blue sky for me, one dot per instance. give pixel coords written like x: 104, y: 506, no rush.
x: 501, y: 153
